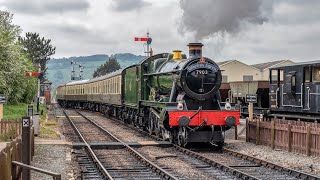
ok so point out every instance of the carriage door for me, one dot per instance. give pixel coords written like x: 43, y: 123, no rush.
x: 274, y: 88
x: 307, y: 74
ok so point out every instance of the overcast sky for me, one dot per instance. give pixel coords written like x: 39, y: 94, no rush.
x: 252, y: 31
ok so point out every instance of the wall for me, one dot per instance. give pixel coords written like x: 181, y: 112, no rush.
x: 235, y: 71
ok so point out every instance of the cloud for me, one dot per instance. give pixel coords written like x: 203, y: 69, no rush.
x: 210, y: 17
x: 39, y: 7
x: 129, y: 5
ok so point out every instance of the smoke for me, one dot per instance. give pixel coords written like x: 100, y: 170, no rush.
x: 207, y: 18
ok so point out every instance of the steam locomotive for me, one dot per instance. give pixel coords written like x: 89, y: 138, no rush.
x: 169, y: 95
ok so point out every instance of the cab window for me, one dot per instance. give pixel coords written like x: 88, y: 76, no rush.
x: 316, y: 74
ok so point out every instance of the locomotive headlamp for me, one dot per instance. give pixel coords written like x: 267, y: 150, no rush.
x: 180, y: 105
x: 227, y: 106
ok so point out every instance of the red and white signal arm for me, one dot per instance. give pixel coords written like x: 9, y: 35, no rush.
x: 141, y: 39
x: 33, y: 73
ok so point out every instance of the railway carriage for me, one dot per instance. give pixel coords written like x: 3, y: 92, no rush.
x: 295, y: 89
x: 169, y: 95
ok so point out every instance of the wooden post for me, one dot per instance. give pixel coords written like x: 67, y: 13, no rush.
x: 257, y: 132
x: 5, y: 129
x: 26, y: 146
x: 8, y: 161
x: 16, y: 127
x: 235, y: 132
x: 289, y: 138
x: 272, y: 134
x: 247, y: 130
x: 308, y: 140
x: 32, y: 143
x: 250, y: 111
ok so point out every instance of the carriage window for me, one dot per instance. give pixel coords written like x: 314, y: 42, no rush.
x: 306, y: 74
x: 316, y: 74
x: 293, y: 83
x: 281, y: 74
x: 274, y: 76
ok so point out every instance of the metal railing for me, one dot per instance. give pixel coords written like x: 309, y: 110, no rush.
x: 16, y: 176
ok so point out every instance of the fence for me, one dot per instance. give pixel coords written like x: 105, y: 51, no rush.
x: 294, y: 136
x: 12, y: 152
x: 10, y: 129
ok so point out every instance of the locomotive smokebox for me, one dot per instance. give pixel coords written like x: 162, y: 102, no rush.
x: 195, y: 50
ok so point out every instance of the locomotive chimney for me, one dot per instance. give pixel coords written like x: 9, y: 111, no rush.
x: 195, y: 50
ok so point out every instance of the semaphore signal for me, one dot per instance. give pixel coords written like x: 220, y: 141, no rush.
x: 148, y: 41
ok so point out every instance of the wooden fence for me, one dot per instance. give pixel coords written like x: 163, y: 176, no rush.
x: 294, y: 136
x: 10, y: 129
x: 12, y: 152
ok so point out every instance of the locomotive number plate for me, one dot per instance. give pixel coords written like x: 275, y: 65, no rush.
x: 201, y: 72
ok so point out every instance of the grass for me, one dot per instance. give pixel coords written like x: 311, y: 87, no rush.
x: 14, y: 111
x: 48, y: 128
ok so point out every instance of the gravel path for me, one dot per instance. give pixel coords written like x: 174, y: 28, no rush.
x: 296, y: 161
x: 55, y: 158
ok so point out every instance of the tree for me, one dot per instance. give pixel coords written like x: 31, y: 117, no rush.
x: 38, y: 48
x: 111, y: 65
x: 14, y: 63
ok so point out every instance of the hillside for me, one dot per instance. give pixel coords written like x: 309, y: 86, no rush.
x: 59, y: 70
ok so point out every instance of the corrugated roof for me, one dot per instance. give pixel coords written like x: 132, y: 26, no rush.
x: 267, y: 65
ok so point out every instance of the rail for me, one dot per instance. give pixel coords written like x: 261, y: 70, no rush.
x: 93, y: 155
x: 227, y: 168
x: 55, y: 176
x: 155, y: 167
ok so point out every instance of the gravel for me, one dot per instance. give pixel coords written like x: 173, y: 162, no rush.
x: 308, y: 164
x: 121, y: 131
x: 173, y: 160
x: 55, y: 158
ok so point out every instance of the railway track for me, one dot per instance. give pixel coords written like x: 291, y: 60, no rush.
x: 238, y: 164
x: 125, y: 163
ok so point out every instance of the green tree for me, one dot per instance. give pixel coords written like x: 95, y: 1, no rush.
x: 14, y: 63
x: 111, y: 65
x: 38, y: 48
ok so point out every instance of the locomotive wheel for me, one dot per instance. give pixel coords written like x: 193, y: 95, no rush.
x: 182, y: 137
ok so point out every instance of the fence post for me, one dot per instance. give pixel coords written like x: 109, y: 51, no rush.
x: 8, y: 161
x: 289, y: 138
x: 32, y: 143
x: 247, y: 130
x: 16, y: 127
x: 26, y: 154
x: 308, y: 140
x: 258, y: 132
x: 272, y: 134
x: 235, y: 132
x: 14, y: 158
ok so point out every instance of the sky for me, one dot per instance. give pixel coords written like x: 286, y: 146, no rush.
x: 252, y: 31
